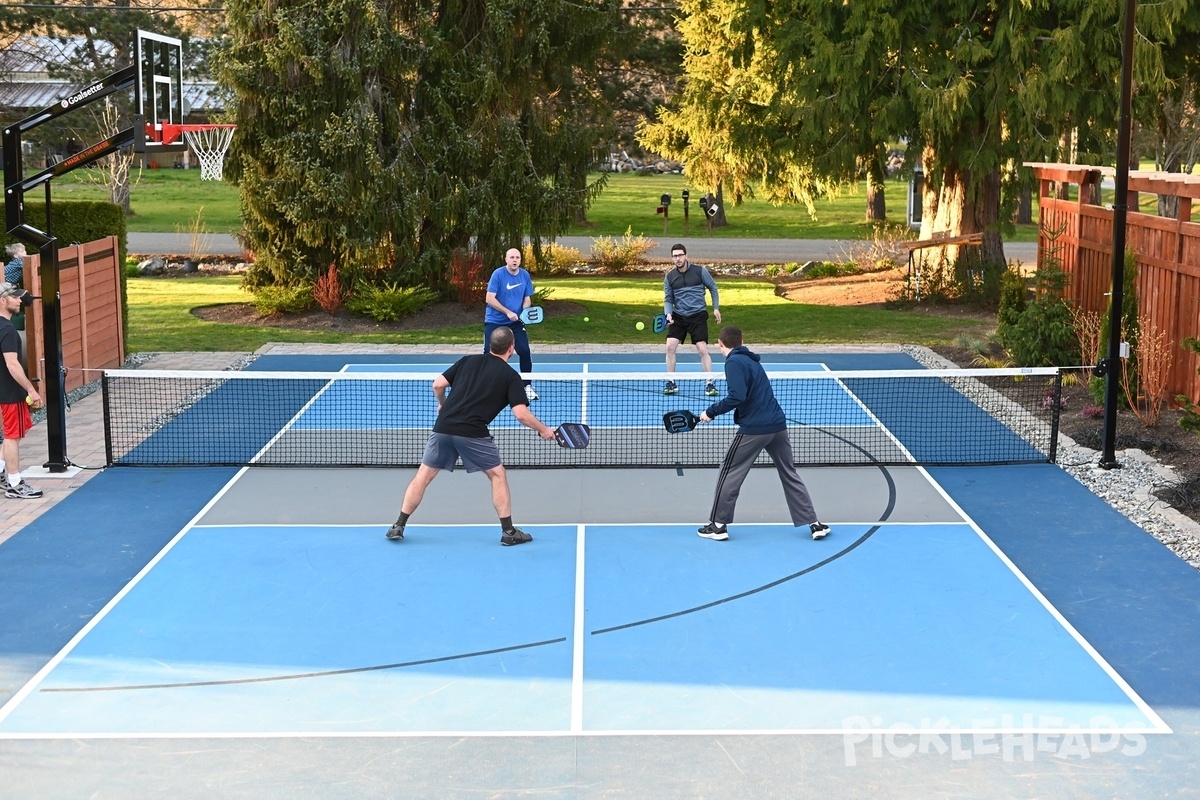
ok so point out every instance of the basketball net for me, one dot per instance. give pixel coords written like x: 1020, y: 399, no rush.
x: 210, y: 145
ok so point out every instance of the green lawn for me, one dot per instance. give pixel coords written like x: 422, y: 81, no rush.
x: 163, y: 200
x: 630, y: 201
x: 168, y: 200
x: 160, y: 318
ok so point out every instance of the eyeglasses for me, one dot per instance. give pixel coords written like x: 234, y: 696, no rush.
x: 678, y: 255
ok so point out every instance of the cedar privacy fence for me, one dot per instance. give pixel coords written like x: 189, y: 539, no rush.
x: 1077, y: 230
x: 93, y: 337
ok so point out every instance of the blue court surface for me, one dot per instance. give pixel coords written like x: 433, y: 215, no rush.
x: 988, y: 604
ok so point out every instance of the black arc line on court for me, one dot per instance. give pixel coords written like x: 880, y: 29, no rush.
x: 300, y: 675
x: 887, y: 512
x: 422, y: 662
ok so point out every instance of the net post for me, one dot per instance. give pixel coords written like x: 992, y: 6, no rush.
x: 1055, y: 414
x: 108, y: 443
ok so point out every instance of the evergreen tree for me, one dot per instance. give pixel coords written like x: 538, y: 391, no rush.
x: 804, y: 92
x: 1169, y: 119
x: 384, y: 134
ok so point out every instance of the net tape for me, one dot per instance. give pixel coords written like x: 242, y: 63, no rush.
x: 361, y: 419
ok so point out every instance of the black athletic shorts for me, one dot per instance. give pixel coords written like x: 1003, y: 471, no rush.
x: 696, y: 326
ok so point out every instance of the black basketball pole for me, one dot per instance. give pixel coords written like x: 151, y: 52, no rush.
x: 53, y: 388
x: 1112, y: 372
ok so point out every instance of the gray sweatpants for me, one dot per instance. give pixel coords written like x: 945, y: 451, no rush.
x: 743, y: 450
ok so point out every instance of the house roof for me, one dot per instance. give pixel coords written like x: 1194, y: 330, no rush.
x: 27, y: 66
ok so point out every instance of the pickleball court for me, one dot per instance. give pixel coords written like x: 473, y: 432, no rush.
x: 277, y: 610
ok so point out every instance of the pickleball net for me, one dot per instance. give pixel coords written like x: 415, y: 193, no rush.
x: 377, y: 419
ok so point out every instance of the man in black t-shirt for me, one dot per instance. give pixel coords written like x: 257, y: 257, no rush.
x: 483, y: 385
x: 17, y: 396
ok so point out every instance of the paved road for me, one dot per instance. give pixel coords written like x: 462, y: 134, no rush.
x: 771, y: 251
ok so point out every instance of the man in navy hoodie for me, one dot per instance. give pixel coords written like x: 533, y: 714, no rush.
x: 761, y: 426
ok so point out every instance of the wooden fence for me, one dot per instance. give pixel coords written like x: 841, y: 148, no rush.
x: 93, y: 336
x: 1078, y: 232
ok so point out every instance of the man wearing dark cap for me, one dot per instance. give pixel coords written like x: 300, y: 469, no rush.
x: 17, y: 395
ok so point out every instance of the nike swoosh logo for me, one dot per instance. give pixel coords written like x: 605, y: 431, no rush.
x: 512, y: 286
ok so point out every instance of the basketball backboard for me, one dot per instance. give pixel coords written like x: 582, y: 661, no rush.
x: 158, y: 93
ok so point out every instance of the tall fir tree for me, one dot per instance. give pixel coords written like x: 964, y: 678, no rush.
x: 803, y: 92
x: 385, y: 134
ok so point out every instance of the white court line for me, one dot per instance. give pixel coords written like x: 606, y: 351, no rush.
x: 1160, y: 725
x: 663, y: 524
x: 440, y: 367
x: 1072, y: 730
x: 583, y: 399
x: 578, y: 634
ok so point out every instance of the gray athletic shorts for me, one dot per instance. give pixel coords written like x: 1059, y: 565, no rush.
x: 443, y: 450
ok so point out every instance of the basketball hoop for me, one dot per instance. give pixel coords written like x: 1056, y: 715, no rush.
x: 210, y: 143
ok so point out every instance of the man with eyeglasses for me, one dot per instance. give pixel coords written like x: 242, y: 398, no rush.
x: 687, y: 313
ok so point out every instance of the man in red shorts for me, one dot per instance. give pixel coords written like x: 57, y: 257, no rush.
x: 16, y: 395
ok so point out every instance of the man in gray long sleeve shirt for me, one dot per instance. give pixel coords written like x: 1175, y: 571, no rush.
x: 687, y: 313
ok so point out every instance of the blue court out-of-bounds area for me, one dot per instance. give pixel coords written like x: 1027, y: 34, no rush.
x: 293, y: 629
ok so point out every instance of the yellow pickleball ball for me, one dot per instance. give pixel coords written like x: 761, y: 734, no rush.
x: 640, y: 326
x: 585, y: 319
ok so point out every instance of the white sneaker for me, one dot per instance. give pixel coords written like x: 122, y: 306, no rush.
x: 4, y: 485
x: 530, y: 394
x: 22, y: 491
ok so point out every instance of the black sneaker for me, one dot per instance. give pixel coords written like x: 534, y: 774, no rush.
x: 718, y: 533
x: 671, y: 388
x: 396, y: 532
x: 819, y: 531
x: 515, y: 536
x: 710, y: 389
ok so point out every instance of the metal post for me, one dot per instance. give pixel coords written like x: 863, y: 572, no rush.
x: 1108, y: 459
x: 53, y: 387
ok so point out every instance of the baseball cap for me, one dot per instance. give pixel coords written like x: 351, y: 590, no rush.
x: 10, y: 290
